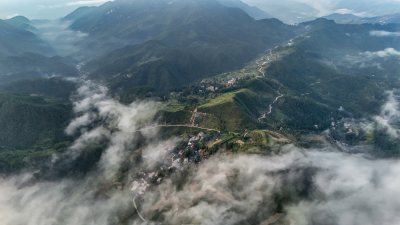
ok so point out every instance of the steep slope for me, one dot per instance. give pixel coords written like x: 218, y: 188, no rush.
x: 31, y: 65
x: 182, y: 41
x: 370, y: 7
x: 122, y: 22
x: 331, y: 72
x: 329, y: 39
x: 335, y: 65
x: 350, y: 18
x: 14, y: 41
x: 55, y: 87
x: 252, y: 11
x: 23, y: 54
x: 344, y: 18
x: 31, y: 121
x: 289, y: 11
x: 241, y: 107
x: 22, y: 23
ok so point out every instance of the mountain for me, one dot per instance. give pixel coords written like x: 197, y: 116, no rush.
x: 22, y: 23
x: 332, y: 65
x: 29, y: 121
x: 370, y: 7
x: 289, y: 11
x: 31, y: 65
x: 122, y: 22
x: 180, y: 42
x: 252, y: 11
x: 197, y: 112
x: 344, y: 18
x: 326, y: 37
x: 24, y: 54
x: 326, y: 74
x: 295, y: 11
x: 81, y: 11
x: 392, y: 18
x: 52, y: 88
x: 350, y: 18
x: 15, y: 40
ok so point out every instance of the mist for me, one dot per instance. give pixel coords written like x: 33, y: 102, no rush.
x: 118, y: 164
x: 382, y: 33
x: 388, y: 52
x: 58, y: 34
x: 98, y: 197
x: 298, y: 186
x: 389, y: 118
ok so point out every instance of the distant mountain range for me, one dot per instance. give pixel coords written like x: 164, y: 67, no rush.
x: 180, y: 41
x: 350, y: 18
x: 297, y: 11
x: 200, y: 112
x: 16, y: 38
x: 252, y: 11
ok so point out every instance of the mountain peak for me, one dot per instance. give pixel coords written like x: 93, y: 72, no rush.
x: 253, y: 11
x: 19, y: 19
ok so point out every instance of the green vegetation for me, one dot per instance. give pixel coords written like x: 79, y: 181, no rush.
x: 15, y: 40
x: 12, y: 160
x: 202, y: 60
x: 28, y: 121
x: 33, y: 116
x: 234, y: 111
x: 172, y: 45
x: 56, y: 88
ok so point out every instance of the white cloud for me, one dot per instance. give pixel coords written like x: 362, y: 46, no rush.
x: 94, y: 199
x: 390, y: 115
x: 242, y: 188
x: 318, y: 186
x: 388, y: 52
x: 382, y: 33
x: 60, y: 36
x: 118, y: 126
x: 356, y: 190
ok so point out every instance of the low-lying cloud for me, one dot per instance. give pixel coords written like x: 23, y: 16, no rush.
x: 388, y: 52
x: 137, y: 182
x: 382, y: 33
x: 298, y: 187
x: 314, y: 187
x: 58, y: 34
x: 100, y: 197
x: 100, y: 118
x: 351, y: 189
x: 389, y: 118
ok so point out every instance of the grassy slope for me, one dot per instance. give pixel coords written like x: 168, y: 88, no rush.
x: 232, y: 111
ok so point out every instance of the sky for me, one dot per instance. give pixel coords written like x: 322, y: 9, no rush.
x: 42, y: 9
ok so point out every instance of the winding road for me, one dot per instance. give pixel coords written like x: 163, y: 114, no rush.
x: 261, y: 69
x: 138, y: 212
x: 178, y: 125
x: 193, y: 118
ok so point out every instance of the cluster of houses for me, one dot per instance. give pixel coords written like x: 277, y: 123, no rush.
x: 192, y: 151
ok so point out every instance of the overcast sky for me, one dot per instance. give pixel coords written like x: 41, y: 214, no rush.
x: 42, y: 9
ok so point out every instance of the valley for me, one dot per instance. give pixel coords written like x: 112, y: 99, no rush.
x: 198, y: 112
